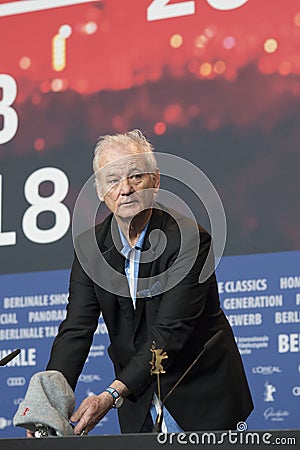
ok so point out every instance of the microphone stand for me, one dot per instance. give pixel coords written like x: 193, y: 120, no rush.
x: 207, y: 346
x: 9, y: 357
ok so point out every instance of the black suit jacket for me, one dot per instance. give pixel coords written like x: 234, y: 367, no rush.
x: 180, y: 316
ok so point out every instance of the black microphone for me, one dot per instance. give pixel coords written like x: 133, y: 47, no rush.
x: 9, y: 357
x: 206, y: 347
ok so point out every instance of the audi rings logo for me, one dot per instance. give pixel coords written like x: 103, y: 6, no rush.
x: 296, y: 391
x: 15, y: 381
x: 4, y: 423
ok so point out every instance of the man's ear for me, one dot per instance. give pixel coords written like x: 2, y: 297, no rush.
x: 156, y: 179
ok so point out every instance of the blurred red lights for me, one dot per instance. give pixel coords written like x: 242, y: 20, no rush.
x: 45, y: 86
x: 229, y: 42
x: 159, y: 128
x: 173, y: 113
x: 176, y: 40
x: 205, y: 70
x: 39, y: 144
x: 270, y: 45
x: 25, y: 62
x: 285, y: 68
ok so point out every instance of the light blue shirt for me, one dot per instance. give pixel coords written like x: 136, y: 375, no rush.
x: 132, y: 263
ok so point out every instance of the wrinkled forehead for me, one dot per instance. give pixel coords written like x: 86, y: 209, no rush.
x: 116, y: 162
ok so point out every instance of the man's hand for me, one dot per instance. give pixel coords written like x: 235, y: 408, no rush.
x: 91, y: 411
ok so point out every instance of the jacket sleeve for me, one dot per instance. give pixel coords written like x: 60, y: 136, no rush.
x: 72, y: 344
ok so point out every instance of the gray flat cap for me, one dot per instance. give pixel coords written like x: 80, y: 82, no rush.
x: 48, y: 404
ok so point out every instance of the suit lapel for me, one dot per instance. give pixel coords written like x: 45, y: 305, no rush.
x: 111, y: 251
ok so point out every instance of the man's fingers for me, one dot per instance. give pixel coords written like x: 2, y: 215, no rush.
x: 75, y: 416
x: 81, y: 426
x: 91, y: 410
x: 79, y: 412
x: 87, y: 421
x: 83, y: 415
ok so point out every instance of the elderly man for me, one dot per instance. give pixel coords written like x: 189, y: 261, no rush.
x: 140, y: 268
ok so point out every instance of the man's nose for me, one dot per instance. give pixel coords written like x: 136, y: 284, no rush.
x: 125, y: 187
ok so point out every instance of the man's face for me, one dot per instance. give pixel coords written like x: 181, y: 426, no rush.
x: 127, y: 187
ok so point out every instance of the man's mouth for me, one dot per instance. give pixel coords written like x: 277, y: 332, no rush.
x: 128, y: 202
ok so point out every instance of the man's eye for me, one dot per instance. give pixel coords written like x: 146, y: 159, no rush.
x: 136, y: 176
x: 113, y: 181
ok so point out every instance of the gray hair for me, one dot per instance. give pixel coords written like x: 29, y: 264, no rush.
x: 132, y: 139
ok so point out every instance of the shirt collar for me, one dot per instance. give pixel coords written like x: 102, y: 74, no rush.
x: 139, y: 244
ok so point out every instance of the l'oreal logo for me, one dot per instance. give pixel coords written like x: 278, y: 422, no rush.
x: 266, y: 370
